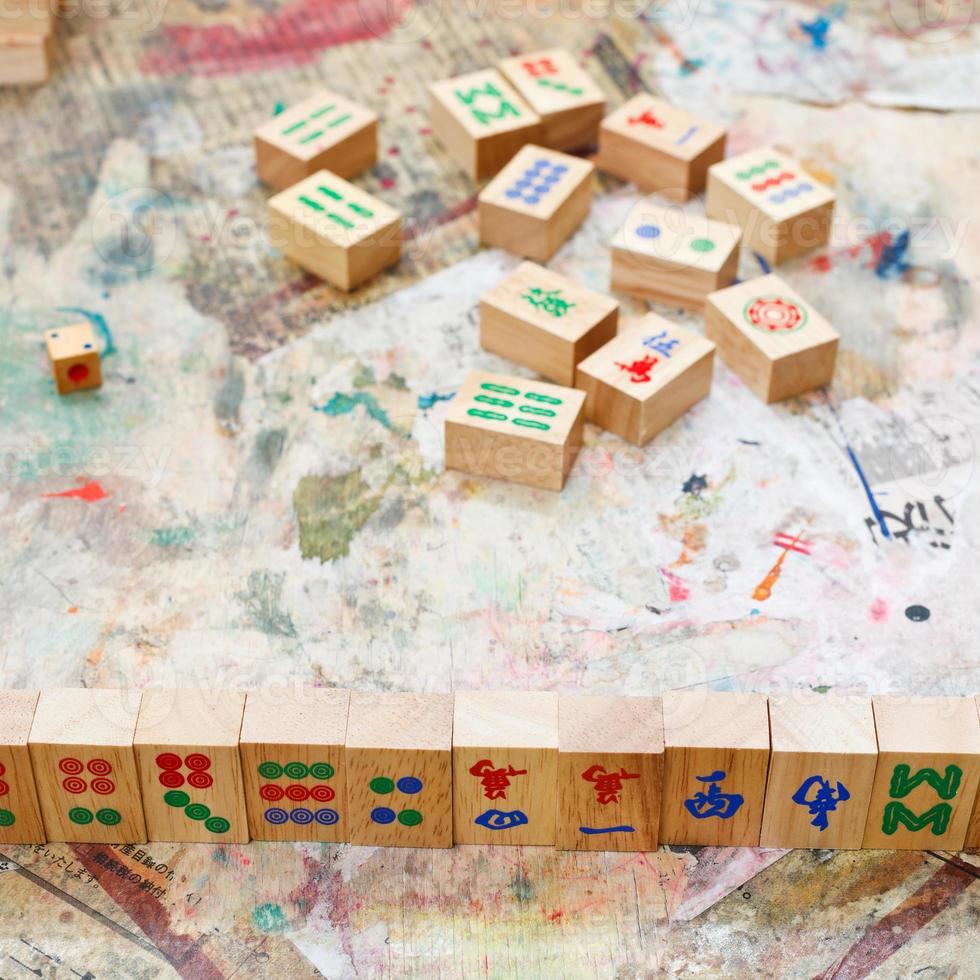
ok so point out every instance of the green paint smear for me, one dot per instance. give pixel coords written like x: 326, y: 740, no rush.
x: 263, y: 600
x: 173, y: 537
x: 344, y: 404
x: 269, y: 918
x: 521, y: 887
x: 330, y: 512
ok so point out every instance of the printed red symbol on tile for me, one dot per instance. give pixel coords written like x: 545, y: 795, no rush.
x: 639, y: 370
x: 70, y: 767
x: 542, y: 66
x: 607, y: 785
x: 646, y: 118
x: 271, y: 792
x: 494, y: 781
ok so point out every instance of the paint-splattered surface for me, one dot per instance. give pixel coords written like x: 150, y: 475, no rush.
x: 256, y: 493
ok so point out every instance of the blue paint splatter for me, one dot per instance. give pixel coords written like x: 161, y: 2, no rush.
x: 891, y: 263
x: 429, y: 401
x: 98, y: 322
x: 879, y: 517
x: 344, y: 404
x: 819, y: 27
x: 817, y: 30
x: 763, y: 264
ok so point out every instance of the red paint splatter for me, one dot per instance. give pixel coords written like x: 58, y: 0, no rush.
x: 556, y: 915
x: 879, y: 610
x: 875, y: 244
x: 89, y: 492
x: 294, y: 35
x: 73, y: 610
x: 677, y: 588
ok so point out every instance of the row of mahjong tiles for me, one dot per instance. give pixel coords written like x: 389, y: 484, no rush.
x: 578, y: 772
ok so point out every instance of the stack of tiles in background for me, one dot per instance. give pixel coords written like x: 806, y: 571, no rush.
x: 335, y: 230
x: 775, y: 341
x: 20, y: 812
x: 481, y: 121
x: 645, y: 378
x: 186, y: 746
x: 513, y: 429
x: 505, y: 767
x: 26, y: 41
x: 561, y: 92
x: 399, y: 769
x: 659, y: 147
x: 782, y: 209
x: 535, y: 203
x: 81, y: 746
x: 292, y: 749
x: 323, y: 132
x: 610, y: 772
x: 674, y: 257
x: 546, y: 322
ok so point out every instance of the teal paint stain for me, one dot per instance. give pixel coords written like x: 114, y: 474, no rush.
x: 98, y: 322
x: 173, y: 537
x: 432, y: 398
x: 269, y: 918
x: 344, y: 404
x: 279, y: 108
x: 521, y: 886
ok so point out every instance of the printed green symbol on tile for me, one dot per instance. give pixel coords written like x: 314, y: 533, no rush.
x: 270, y: 770
x: 482, y: 413
x: 382, y: 784
x: 547, y: 399
x: 410, y: 818
x: 296, y: 770
x: 702, y: 245
x: 197, y: 811
x: 503, y: 107
x: 560, y: 86
x: 490, y: 400
x: 176, y: 798
x: 531, y: 424
x: 337, y: 197
x: 108, y: 817
x: 946, y: 786
x: 534, y: 410
x: 757, y: 171
x: 499, y: 389
x: 217, y: 825
x: 322, y: 770
x: 300, y: 125
x: 550, y: 301
x: 896, y: 813
x: 80, y: 814
x: 6, y: 818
